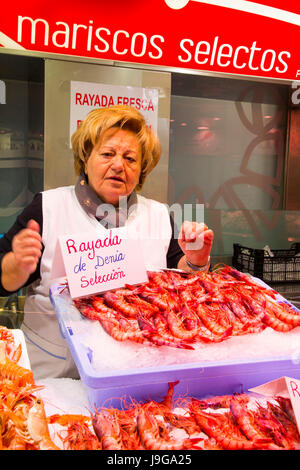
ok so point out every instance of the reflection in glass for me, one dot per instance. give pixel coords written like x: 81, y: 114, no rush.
x: 229, y: 156
x: 21, y: 140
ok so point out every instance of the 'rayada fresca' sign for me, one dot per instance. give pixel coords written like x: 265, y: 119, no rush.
x: 96, y: 262
x: 86, y: 96
x: 234, y: 37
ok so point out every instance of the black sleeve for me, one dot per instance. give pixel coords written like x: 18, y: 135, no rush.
x: 32, y: 211
x: 174, y: 252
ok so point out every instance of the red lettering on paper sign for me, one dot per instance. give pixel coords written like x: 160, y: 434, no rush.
x: 88, y: 96
x: 98, y: 101
x: 294, y: 389
x: 293, y: 386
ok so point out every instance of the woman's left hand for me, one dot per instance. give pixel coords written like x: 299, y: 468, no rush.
x: 196, y: 241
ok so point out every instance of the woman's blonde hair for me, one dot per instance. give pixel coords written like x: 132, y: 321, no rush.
x: 91, y: 130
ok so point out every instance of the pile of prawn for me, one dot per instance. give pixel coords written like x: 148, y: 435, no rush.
x: 12, y: 351
x: 177, y: 309
x: 222, y: 422
x: 229, y: 422
x: 23, y: 423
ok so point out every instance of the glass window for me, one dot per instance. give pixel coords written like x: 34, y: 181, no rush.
x: 227, y: 149
x: 21, y: 134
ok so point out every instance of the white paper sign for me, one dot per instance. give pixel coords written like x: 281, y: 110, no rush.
x: 95, y: 262
x: 285, y: 387
x: 86, y: 96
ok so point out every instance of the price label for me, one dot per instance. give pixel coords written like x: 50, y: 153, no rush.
x: 95, y: 263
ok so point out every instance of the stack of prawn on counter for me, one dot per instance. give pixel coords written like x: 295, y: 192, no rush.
x: 23, y: 423
x: 178, y: 309
x: 229, y: 422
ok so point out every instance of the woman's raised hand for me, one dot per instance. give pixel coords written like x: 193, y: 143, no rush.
x: 195, y: 240
x: 27, y: 247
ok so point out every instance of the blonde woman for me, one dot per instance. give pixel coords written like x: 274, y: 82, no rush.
x: 114, y: 151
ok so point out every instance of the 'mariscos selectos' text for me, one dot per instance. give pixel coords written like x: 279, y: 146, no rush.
x: 105, y: 41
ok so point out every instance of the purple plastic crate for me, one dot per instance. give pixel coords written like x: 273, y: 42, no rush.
x: 195, y: 379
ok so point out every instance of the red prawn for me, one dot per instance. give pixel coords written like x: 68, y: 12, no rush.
x: 149, y: 431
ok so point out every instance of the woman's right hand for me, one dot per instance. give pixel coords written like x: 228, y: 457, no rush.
x: 27, y: 247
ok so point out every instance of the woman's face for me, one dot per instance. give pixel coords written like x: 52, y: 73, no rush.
x: 114, y: 166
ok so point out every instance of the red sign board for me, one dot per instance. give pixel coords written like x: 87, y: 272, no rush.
x: 240, y: 37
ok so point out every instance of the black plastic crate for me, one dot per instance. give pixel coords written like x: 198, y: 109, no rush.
x: 284, y: 266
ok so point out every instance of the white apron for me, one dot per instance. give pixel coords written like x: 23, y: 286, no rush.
x: 62, y: 215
